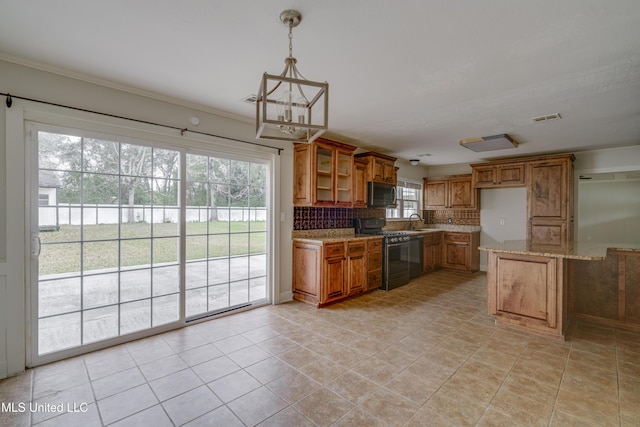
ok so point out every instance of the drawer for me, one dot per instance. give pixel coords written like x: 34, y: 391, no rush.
x: 374, y: 245
x: 357, y: 248
x: 334, y: 250
x: 434, y: 237
x: 374, y: 279
x: 375, y: 261
x: 457, y: 237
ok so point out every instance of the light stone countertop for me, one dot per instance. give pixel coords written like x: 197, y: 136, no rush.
x: 591, y: 251
x: 345, y: 234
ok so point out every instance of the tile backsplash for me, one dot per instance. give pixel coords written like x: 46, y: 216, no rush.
x: 458, y: 217
x: 311, y: 218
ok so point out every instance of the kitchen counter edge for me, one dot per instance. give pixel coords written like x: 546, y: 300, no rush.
x: 590, y: 251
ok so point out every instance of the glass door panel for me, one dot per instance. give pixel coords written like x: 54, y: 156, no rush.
x: 108, y: 217
x: 223, y: 248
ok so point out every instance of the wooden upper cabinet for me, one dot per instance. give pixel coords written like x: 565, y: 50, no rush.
x: 450, y: 192
x: 550, y: 200
x: 380, y: 167
x: 360, y: 183
x: 323, y: 174
x: 511, y: 174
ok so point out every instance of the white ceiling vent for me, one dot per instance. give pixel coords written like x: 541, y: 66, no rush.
x: 547, y: 118
x: 250, y: 99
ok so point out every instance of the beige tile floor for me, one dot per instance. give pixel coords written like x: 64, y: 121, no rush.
x: 425, y: 354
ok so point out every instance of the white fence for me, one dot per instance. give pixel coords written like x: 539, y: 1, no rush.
x: 72, y: 214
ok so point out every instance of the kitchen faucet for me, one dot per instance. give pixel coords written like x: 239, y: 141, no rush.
x: 411, y: 216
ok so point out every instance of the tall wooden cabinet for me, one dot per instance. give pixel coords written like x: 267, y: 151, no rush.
x: 550, y: 200
x: 549, y: 183
x: 323, y: 174
x: 450, y: 192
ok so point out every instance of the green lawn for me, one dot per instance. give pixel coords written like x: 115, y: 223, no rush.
x: 61, y: 252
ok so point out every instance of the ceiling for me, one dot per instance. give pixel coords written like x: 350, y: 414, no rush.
x: 407, y: 78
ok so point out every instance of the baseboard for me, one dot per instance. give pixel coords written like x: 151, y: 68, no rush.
x: 285, y: 296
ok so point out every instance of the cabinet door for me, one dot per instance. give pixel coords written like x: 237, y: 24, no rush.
x: 357, y: 267
x: 548, y: 190
x: 435, y: 194
x: 306, y: 272
x: 484, y: 176
x: 301, y: 175
x: 389, y: 171
x: 461, y: 195
x: 333, y: 286
x: 455, y: 255
x: 525, y: 286
x: 344, y: 179
x: 323, y: 182
x: 378, y: 169
x: 360, y: 184
x: 511, y: 175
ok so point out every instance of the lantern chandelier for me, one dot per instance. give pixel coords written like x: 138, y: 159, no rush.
x: 288, y: 106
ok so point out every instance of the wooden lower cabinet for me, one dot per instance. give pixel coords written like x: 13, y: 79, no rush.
x: 528, y: 292
x: 328, y: 272
x: 356, y: 267
x: 460, y: 250
x: 374, y: 263
x: 333, y: 285
x: 432, y: 253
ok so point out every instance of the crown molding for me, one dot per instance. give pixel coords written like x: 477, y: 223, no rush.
x: 120, y: 87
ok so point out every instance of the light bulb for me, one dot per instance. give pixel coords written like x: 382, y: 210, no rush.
x: 284, y: 106
x: 301, y: 109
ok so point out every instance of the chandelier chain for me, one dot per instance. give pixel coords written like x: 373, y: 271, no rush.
x: 290, y: 40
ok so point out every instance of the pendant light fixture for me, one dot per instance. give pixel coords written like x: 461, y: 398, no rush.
x: 288, y: 106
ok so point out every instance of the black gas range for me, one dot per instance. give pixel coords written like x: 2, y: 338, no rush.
x: 402, y: 252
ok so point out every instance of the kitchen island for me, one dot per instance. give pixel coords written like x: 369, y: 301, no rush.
x: 538, y: 288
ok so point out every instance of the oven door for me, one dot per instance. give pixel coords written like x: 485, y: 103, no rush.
x: 416, y: 260
x: 396, y: 265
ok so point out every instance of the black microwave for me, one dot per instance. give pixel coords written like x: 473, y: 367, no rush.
x: 381, y: 195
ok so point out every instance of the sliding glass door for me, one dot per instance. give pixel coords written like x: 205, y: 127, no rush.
x: 226, y: 227
x: 109, y: 244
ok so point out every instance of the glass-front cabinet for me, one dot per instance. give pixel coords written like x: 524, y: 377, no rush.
x: 323, y: 174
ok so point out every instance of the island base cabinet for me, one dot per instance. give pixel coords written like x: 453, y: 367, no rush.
x: 528, y: 292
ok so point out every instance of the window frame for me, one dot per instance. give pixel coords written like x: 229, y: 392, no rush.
x: 400, y: 201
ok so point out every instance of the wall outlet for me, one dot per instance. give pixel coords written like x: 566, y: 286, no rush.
x: 502, y: 221
x: 449, y: 220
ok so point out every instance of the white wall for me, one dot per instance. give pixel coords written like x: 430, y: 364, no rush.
x: 3, y: 321
x: 508, y: 204
x: 609, y: 211
x: 600, y: 161
x: 107, y: 98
